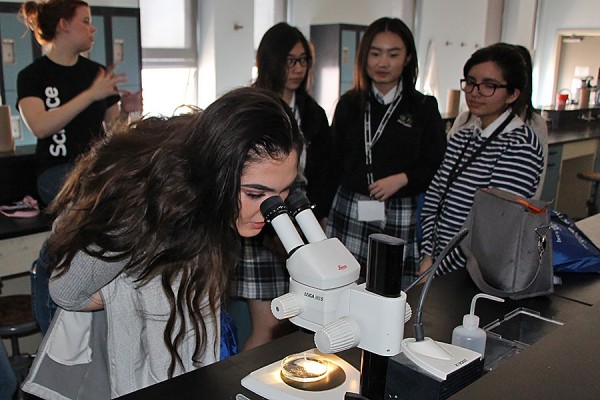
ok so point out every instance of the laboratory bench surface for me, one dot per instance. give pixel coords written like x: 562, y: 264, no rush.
x: 20, y: 238
x: 16, y: 227
x: 561, y: 365
x: 573, y: 134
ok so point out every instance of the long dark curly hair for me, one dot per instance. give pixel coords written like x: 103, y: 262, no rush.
x: 163, y: 194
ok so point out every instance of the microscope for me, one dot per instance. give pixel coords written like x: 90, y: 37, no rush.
x: 323, y: 295
x: 324, y: 298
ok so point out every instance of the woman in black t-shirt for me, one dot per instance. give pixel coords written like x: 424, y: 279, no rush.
x: 64, y: 98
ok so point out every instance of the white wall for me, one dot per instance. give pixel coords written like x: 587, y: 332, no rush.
x: 304, y: 13
x: 455, y: 29
x: 518, y: 25
x: 266, y: 14
x: 234, y: 47
x: 226, y: 54
x: 113, y: 3
x: 467, y: 25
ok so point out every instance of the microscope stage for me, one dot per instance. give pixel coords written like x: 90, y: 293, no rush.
x: 267, y: 382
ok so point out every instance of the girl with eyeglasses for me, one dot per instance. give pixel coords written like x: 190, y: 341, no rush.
x: 283, y: 60
x: 530, y: 116
x: 389, y: 141
x: 496, y: 150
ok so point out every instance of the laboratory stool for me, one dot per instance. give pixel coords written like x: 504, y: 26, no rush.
x: 592, y: 202
x: 16, y: 320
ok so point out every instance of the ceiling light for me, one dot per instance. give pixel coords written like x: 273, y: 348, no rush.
x: 572, y: 39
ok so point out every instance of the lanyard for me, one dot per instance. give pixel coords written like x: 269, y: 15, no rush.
x: 459, y: 166
x: 369, y: 139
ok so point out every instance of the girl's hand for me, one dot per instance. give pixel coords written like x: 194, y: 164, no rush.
x: 385, y: 188
x: 131, y: 102
x: 425, y: 264
x: 105, y: 84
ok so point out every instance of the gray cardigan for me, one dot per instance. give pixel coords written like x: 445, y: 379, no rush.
x: 109, y: 353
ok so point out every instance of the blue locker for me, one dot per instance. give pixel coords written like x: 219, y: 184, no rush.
x: 98, y: 52
x: 16, y: 36
x: 126, y: 50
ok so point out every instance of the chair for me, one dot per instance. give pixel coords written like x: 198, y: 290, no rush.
x: 592, y: 202
x: 16, y: 320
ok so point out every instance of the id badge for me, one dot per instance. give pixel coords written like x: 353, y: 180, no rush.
x: 371, y: 210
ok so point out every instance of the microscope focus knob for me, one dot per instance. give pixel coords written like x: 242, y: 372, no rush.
x: 286, y: 306
x: 340, y: 335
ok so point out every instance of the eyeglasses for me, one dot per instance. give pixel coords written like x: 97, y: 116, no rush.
x: 486, y: 89
x: 292, y: 61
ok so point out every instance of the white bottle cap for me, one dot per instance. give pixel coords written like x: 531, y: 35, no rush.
x: 471, y: 322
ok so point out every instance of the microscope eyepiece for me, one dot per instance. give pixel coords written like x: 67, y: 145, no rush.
x: 297, y: 202
x: 272, y: 207
x: 276, y: 213
x: 301, y: 209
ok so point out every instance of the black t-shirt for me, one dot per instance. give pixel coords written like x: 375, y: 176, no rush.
x: 56, y: 85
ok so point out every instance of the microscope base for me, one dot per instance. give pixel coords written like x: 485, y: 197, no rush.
x: 267, y: 382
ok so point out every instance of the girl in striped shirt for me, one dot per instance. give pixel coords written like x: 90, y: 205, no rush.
x: 498, y: 150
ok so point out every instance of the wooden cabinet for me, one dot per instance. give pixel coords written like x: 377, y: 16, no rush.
x: 335, y: 51
x: 117, y: 41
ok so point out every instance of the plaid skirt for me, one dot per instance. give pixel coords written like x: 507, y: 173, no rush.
x: 400, y: 222
x: 260, y: 274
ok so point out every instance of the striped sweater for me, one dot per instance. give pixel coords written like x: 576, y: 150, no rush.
x: 512, y: 161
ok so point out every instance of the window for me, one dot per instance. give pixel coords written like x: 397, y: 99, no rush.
x: 157, y: 15
x: 169, y: 56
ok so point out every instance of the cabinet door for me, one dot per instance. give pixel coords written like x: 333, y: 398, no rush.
x: 98, y: 51
x: 549, y: 192
x: 126, y: 50
x: 597, y: 163
x: 17, y: 53
x: 347, y: 56
x: 335, y: 46
x: 117, y: 42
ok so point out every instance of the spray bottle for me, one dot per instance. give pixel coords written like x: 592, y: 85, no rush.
x: 469, y: 335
